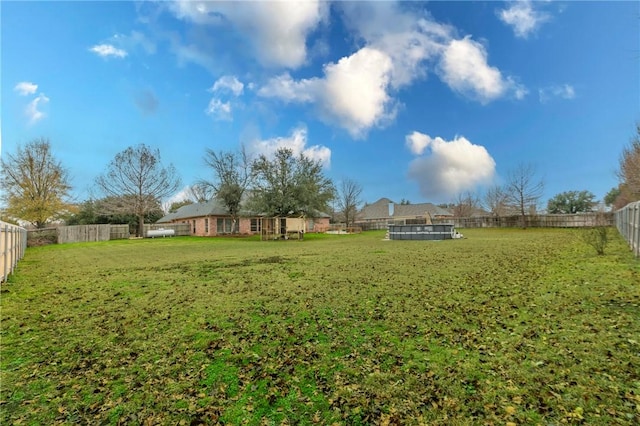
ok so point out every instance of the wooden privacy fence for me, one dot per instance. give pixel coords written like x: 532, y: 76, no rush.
x: 83, y: 233
x: 89, y: 233
x: 77, y: 234
x: 628, y: 224
x: 531, y: 221
x: 13, y: 243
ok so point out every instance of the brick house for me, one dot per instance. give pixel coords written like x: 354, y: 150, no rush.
x: 211, y: 218
x: 377, y: 215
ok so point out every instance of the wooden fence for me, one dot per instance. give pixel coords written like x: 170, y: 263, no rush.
x: 89, y: 233
x: 628, y: 223
x: 13, y: 243
x: 76, y: 234
x: 119, y: 232
x: 83, y: 233
x: 531, y: 221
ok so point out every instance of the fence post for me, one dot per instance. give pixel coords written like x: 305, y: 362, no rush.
x: 5, y: 243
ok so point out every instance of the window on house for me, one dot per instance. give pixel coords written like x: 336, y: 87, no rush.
x: 194, y: 226
x: 255, y: 225
x: 224, y: 225
x: 206, y: 225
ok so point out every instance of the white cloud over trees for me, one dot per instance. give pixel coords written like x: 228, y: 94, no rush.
x: 33, y: 110
x: 296, y: 142
x: 446, y: 168
x: 225, y: 87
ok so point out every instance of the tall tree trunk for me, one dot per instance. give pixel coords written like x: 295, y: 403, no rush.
x: 140, y: 232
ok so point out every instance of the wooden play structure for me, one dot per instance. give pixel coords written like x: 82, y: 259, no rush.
x: 282, y: 228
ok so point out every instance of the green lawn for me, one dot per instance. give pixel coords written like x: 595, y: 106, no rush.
x: 503, y: 327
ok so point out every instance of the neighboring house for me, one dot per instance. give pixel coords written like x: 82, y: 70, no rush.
x: 211, y: 218
x: 385, y: 210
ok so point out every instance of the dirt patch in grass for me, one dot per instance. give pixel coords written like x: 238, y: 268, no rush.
x: 505, y: 326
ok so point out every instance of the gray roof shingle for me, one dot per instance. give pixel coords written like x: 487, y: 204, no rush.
x: 212, y: 207
x: 380, y: 210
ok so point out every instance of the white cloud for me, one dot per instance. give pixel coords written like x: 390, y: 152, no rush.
x: 449, y: 167
x: 182, y: 195
x: 522, y: 17
x: 285, y: 88
x: 417, y: 142
x: 465, y: 69
x: 25, y: 88
x: 219, y: 110
x: 296, y: 142
x: 352, y: 93
x: 409, y: 39
x: 33, y: 112
x: 356, y: 93
x: 228, y: 83
x: 108, y: 50
x: 276, y: 30
x: 564, y: 91
x: 414, y: 41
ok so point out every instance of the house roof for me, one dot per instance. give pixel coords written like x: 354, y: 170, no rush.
x: 380, y: 210
x: 212, y: 207
x: 402, y: 210
x: 377, y: 210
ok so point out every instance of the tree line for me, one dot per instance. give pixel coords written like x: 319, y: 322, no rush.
x: 36, y: 188
x: 133, y: 185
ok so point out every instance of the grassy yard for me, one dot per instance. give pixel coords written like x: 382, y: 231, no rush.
x: 504, y: 327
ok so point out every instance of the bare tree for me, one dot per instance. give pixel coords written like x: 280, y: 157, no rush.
x: 35, y: 185
x: 495, y: 201
x: 348, y: 200
x: 465, y: 205
x: 137, y: 177
x: 199, y: 193
x: 523, y: 189
x: 232, y: 177
x: 629, y: 173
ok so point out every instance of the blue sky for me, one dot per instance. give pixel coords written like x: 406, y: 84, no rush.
x: 418, y: 100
